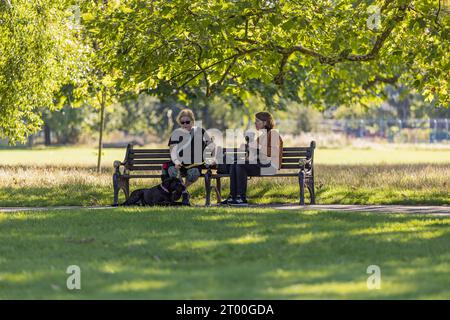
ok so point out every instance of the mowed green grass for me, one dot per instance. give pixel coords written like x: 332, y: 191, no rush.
x: 223, y: 253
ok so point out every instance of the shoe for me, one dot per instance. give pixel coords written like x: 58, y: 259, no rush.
x: 185, y: 201
x: 238, y: 202
x: 226, y: 201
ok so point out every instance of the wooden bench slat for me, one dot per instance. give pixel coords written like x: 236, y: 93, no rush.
x: 135, y: 151
x: 291, y: 149
x: 292, y: 160
x: 157, y: 168
x: 287, y: 149
x: 302, y: 154
x: 141, y: 176
x: 162, y: 161
x: 144, y: 168
x: 149, y: 161
x: 149, y: 156
x: 290, y: 166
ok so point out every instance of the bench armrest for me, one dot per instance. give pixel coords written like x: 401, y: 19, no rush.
x: 304, y: 162
x: 117, y: 164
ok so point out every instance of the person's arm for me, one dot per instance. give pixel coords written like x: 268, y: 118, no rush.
x: 270, y: 148
x: 173, y: 151
x: 210, y: 148
x: 274, y: 148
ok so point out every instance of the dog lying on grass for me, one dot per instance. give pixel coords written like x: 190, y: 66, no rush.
x: 164, y: 194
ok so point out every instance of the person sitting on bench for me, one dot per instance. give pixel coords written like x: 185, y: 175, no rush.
x: 187, y: 145
x: 264, y: 158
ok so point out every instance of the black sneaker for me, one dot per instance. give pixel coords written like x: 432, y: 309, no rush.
x: 227, y: 200
x: 238, y: 202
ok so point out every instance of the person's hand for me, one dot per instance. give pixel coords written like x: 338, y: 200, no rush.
x: 178, y: 165
x: 211, y: 163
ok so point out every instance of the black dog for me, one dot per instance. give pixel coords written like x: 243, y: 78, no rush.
x: 166, y: 193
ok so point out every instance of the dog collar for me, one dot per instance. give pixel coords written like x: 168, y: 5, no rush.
x: 162, y: 187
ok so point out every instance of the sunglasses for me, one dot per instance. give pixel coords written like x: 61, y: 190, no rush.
x: 185, y: 122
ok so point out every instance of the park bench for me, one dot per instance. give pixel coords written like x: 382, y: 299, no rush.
x: 142, y: 163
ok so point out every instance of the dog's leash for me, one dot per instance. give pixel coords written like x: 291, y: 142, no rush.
x: 164, y: 188
x: 193, y: 165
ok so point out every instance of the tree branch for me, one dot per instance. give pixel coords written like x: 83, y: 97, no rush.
x: 351, y: 57
x: 240, y: 53
x: 324, y: 59
x: 279, y: 78
x: 391, y: 80
x: 227, y: 71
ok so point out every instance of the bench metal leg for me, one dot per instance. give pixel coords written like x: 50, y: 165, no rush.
x: 208, y: 188
x: 116, y: 189
x: 301, y: 182
x: 312, y: 193
x: 120, y: 183
x: 219, y: 190
x: 126, y: 188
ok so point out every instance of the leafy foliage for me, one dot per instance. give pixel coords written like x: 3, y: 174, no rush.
x: 39, y: 51
x: 321, y: 53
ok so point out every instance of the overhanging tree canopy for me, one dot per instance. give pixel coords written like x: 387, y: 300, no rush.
x: 317, y: 51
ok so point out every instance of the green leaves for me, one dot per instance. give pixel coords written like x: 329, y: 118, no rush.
x: 318, y: 52
x: 39, y: 51
x: 257, y: 36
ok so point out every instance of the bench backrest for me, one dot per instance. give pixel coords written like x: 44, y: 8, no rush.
x: 152, y: 159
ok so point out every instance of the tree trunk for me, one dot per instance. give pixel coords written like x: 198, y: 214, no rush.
x: 47, y: 135
x: 102, y: 120
x: 30, y: 141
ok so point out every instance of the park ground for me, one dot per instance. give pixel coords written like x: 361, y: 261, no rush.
x: 226, y: 253
x: 223, y: 253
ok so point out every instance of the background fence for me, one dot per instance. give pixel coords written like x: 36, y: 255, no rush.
x: 389, y: 130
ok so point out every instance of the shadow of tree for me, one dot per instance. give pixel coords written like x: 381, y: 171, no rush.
x: 217, y: 253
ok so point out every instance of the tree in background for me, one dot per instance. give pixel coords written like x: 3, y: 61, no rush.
x: 39, y: 52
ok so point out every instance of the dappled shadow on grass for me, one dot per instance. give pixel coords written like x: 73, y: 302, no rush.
x: 222, y: 253
x: 386, y: 195
x: 67, y: 195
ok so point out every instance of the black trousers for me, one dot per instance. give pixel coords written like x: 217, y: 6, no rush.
x: 238, y: 178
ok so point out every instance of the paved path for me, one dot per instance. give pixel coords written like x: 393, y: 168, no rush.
x: 441, y: 210
x: 434, y: 210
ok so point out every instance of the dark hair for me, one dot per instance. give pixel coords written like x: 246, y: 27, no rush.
x: 268, y: 118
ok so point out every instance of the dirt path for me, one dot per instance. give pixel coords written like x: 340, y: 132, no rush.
x: 434, y: 210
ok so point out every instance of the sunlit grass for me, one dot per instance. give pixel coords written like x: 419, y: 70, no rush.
x: 350, y: 184
x: 222, y: 253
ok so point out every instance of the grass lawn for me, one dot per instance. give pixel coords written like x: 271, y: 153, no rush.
x: 426, y: 184
x: 222, y: 253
